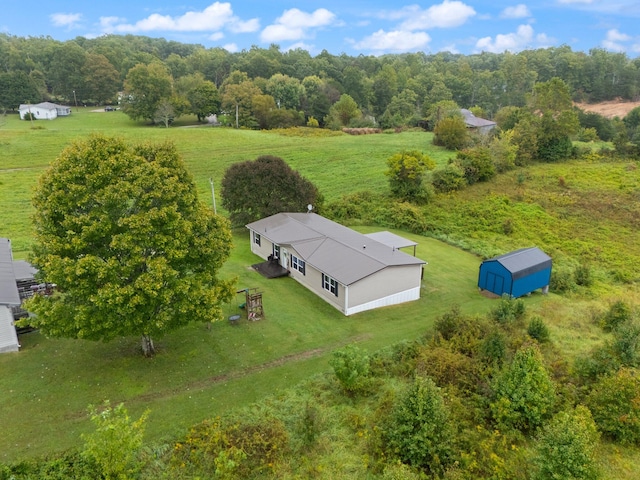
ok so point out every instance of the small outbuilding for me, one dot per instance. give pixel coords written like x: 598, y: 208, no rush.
x: 9, y: 298
x: 516, y: 273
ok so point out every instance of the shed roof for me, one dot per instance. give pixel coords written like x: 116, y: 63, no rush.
x: 342, y: 253
x: 8, y: 288
x: 523, y: 262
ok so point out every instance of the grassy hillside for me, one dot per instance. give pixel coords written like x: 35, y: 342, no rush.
x: 583, y: 212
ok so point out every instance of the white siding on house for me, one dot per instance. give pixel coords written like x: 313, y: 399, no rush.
x: 8, y: 335
x: 395, y: 299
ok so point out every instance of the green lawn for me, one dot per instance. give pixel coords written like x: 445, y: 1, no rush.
x: 201, y: 372
x: 336, y: 165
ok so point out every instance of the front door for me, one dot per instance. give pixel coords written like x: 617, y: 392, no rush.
x: 284, y: 259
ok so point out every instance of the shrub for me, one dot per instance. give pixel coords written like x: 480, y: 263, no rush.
x: 562, y: 280
x: 582, y: 275
x: 449, y: 178
x: 626, y: 344
x: 494, y: 348
x: 114, y: 445
x: 448, y: 323
x: 538, y: 330
x: 351, y: 367
x: 477, y: 164
x: 615, y: 404
x: 312, y: 123
x: 419, y: 431
x: 619, y: 312
x: 524, y: 393
x: 566, y: 447
x: 509, y: 310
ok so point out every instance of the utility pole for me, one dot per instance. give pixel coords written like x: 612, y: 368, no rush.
x: 213, y: 196
x: 75, y: 99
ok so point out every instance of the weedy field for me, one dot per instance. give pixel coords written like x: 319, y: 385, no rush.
x: 585, y: 213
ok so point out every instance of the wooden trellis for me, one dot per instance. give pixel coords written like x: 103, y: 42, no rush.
x: 253, y: 304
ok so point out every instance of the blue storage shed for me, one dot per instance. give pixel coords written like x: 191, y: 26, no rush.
x: 516, y: 273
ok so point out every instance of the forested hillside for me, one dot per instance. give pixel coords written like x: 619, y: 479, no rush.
x: 392, y: 89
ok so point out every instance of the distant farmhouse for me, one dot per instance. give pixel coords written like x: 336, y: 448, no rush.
x: 351, y: 271
x: 478, y: 124
x: 44, y: 111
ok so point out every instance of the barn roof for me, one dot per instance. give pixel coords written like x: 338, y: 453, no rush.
x: 342, y: 253
x: 523, y: 262
x: 8, y: 288
x: 472, y: 121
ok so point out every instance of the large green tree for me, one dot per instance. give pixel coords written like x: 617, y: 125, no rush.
x: 265, y: 186
x: 101, y: 78
x: 144, y: 88
x: 121, y: 232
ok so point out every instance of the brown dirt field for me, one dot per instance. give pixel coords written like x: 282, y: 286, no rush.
x: 610, y: 109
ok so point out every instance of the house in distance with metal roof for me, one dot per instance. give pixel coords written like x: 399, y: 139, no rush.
x: 516, y: 273
x: 351, y: 271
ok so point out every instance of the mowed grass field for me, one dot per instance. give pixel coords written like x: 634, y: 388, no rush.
x: 336, y: 165
x: 202, y: 371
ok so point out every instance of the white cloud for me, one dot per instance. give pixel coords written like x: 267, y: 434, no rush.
x: 295, y: 24
x: 216, y: 16
x: 396, y: 41
x: 613, y: 39
x: 231, y: 47
x: 522, y: 39
x: 519, y: 11
x: 69, y: 20
x: 447, y: 14
x: 216, y: 36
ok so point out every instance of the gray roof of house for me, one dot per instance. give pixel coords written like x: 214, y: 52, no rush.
x: 342, y: 253
x: 524, y: 261
x: 23, y: 270
x: 390, y: 239
x: 8, y: 288
x: 472, y: 121
x: 47, y: 105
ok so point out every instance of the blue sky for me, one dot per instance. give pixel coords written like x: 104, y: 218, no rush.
x: 349, y: 26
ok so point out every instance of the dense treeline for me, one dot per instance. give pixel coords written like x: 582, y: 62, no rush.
x: 265, y: 88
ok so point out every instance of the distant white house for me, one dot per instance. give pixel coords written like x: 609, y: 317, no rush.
x: 478, y: 124
x: 44, y: 110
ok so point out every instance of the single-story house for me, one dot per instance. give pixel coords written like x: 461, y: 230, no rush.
x: 516, y: 273
x: 478, y: 124
x: 44, y: 110
x: 351, y: 271
x: 9, y: 298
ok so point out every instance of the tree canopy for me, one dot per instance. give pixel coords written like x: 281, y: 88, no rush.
x: 258, y: 188
x: 121, y: 232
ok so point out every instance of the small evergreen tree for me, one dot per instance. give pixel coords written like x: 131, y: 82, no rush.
x: 419, y: 431
x: 524, y: 394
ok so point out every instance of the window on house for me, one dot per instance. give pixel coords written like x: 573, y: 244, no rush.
x: 297, y: 264
x: 276, y: 250
x: 256, y: 238
x: 330, y: 284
